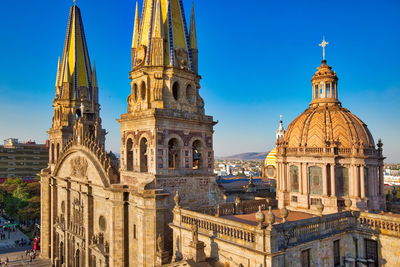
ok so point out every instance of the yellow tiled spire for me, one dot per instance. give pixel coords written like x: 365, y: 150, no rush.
x: 135, y: 38
x: 75, y: 64
x: 158, y: 29
x: 162, y: 19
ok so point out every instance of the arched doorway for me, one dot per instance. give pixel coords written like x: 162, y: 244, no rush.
x: 143, y: 155
x: 129, y: 155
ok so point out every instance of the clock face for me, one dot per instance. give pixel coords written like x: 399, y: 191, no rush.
x: 140, y: 54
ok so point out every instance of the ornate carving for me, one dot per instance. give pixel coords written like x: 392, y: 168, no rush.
x: 79, y: 167
x: 140, y: 55
x: 182, y: 57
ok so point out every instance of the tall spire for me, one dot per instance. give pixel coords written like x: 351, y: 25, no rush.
x: 193, y: 34
x: 75, y: 60
x: 58, y: 73
x: 161, y: 19
x: 135, y: 37
x: 194, y: 52
x: 158, y: 29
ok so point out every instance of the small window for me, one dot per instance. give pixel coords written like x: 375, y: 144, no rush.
x: 371, y: 251
x: 336, y: 253
x: 316, y: 91
x: 135, y: 92
x: 134, y: 231
x: 328, y: 90
x: 143, y: 91
x: 305, y: 258
x: 175, y: 90
x: 294, y: 198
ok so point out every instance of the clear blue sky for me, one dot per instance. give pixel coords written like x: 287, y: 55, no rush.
x: 256, y: 59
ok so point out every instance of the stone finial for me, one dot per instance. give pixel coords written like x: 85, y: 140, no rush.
x: 177, y: 200
x: 347, y: 204
x: 320, y: 208
x: 260, y: 217
x: 284, y: 213
x: 270, y: 218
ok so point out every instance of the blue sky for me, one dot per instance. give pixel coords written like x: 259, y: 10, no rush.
x: 256, y: 59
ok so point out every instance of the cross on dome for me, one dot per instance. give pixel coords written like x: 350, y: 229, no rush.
x: 323, y: 45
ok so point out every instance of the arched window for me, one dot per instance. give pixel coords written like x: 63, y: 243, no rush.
x: 135, y: 92
x: 315, y: 180
x: 143, y: 90
x: 328, y: 90
x: 316, y: 91
x: 197, y: 155
x: 143, y: 155
x: 173, y: 154
x: 342, y: 181
x: 294, y: 178
x: 175, y: 90
x: 191, y: 94
x: 129, y: 155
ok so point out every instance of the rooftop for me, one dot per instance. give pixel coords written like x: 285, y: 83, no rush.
x: 251, y: 218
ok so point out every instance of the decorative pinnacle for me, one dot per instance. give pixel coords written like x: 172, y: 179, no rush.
x: 323, y: 45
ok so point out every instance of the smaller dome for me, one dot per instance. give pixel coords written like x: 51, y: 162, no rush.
x: 270, y: 160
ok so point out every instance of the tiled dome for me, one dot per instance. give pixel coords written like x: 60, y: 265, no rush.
x: 328, y: 125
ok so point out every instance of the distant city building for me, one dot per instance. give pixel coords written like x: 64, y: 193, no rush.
x: 22, y: 160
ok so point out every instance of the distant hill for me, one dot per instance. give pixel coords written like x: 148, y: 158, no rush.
x: 246, y: 156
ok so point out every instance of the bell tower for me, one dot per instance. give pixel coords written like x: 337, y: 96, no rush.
x: 76, y: 103
x: 166, y: 138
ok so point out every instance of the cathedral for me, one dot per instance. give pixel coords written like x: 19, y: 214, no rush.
x: 159, y: 204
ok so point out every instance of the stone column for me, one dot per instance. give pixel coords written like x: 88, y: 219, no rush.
x: 301, y: 179
x: 45, y: 216
x: 306, y: 180
x: 362, y: 182
x: 117, y: 249
x: 357, y: 183
x: 87, y: 221
x: 53, y: 214
x: 324, y: 181
x: 67, y: 245
x: 333, y: 181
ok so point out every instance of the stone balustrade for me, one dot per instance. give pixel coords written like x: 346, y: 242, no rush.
x: 384, y: 224
x: 289, y: 234
x: 328, y: 151
x: 240, y: 233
